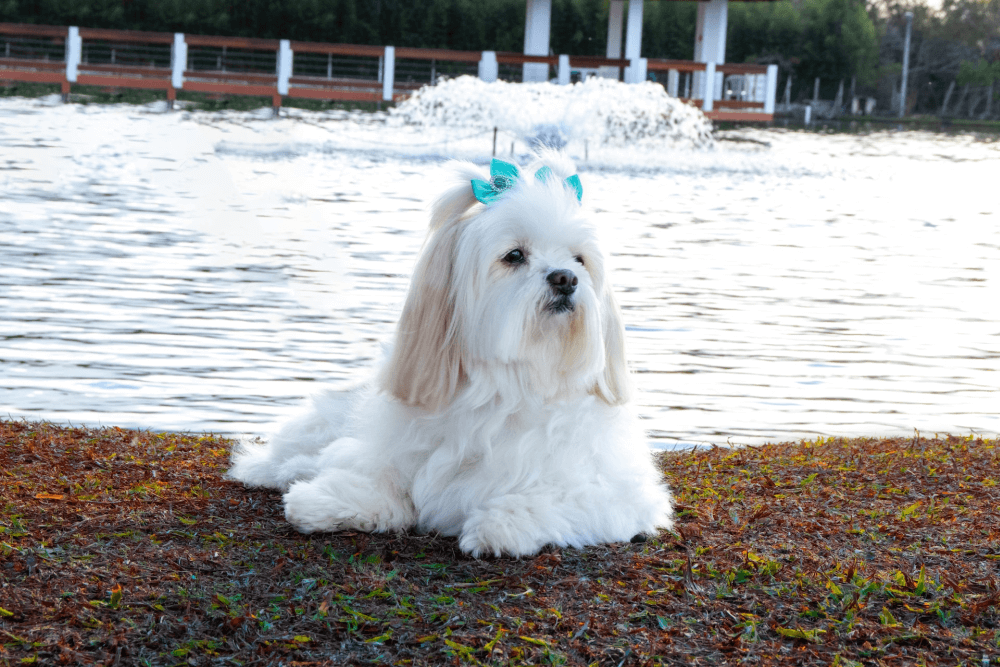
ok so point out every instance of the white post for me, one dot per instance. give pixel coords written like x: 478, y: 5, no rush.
x: 633, y: 41
x: 389, y: 73
x: 633, y: 30
x: 284, y: 65
x: 537, y: 24
x: 708, y: 87
x: 563, y: 70
x: 771, y: 92
x: 616, y: 14
x: 906, y: 65
x: 178, y: 60
x: 673, y: 81
x: 710, y: 38
x: 489, y: 70
x: 74, y: 49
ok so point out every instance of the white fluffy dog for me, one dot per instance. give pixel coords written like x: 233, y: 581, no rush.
x: 501, y: 412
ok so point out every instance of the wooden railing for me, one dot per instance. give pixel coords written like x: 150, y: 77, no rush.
x: 292, y: 69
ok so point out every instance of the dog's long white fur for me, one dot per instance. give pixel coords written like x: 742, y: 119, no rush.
x: 495, y: 417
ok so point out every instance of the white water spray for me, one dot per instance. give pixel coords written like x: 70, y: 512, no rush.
x: 599, y: 111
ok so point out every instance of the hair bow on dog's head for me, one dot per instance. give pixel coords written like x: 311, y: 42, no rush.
x: 503, y: 176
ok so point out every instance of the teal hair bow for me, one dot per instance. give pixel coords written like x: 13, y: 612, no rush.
x: 503, y: 176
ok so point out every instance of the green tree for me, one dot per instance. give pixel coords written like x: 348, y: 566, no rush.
x: 668, y: 30
x: 980, y: 73
x: 579, y: 27
x: 838, y: 41
x: 763, y: 31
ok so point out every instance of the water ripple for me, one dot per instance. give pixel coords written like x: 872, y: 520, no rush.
x: 205, y: 272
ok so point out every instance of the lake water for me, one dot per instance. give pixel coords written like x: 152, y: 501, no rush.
x: 205, y: 272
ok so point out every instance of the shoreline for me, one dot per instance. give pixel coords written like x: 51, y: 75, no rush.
x: 209, y: 103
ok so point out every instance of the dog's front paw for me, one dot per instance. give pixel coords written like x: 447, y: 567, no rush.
x: 497, y: 531
x: 311, y: 509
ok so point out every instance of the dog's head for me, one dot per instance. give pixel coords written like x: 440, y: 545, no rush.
x: 511, y: 295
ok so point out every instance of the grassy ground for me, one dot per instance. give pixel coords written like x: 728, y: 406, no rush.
x: 124, y: 547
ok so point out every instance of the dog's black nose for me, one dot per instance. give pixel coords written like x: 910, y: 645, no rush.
x: 563, y: 281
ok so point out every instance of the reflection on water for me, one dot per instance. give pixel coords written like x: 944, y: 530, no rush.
x: 205, y: 272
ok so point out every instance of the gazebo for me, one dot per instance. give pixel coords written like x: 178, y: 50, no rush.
x: 709, y: 39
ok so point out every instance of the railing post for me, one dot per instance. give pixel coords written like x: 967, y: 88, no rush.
x: 673, y: 82
x: 285, y: 56
x: 74, y: 49
x: 563, y: 78
x: 284, y: 67
x: 771, y: 92
x: 708, y: 88
x: 178, y: 61
x: 388, y: 73
x: 488, y: 67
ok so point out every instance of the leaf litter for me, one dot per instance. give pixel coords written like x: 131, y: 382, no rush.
x: 124, y: 547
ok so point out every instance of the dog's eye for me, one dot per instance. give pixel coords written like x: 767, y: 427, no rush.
x: 515, y: 256
x: 579, y: 258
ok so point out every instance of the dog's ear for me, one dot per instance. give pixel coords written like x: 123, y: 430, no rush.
x: 425, y: 368
x: 615, y: 384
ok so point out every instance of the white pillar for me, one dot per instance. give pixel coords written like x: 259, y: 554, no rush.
x: 708, y: 89
x: 284, y: 65
x: 633, y: 31
x: 74, y: 50
x: 563, y: 70
x: 633, y: 41
x: 673, y: 80
x: 771, y: 90
x: 906, y: 67
x: 710, y: 31
x: 615, y: 14
x: 488, y: 67
x: 710, y: 39
x: 178, y: 60
x: 537, y: 22
x: 388, y: 73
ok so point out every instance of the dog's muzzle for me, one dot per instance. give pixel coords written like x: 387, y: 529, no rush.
x: 563, y: 283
